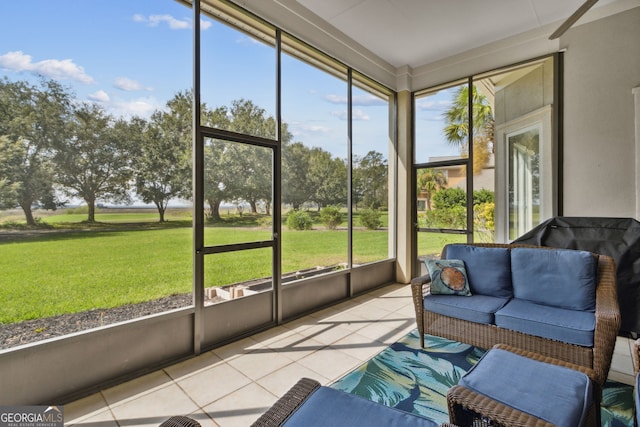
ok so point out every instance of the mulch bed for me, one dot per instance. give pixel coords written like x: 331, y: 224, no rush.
x: 40, y: 329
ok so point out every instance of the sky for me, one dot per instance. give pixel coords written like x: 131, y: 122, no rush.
x: 131, y: 57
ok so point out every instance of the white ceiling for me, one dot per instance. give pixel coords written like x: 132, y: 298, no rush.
x: 418, y: 32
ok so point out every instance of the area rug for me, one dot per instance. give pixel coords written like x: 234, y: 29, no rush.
x: 416, y: 380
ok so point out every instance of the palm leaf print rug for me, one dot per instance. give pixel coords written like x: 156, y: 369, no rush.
x: 416, y: 380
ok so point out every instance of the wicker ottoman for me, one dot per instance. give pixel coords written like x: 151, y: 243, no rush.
x: 308, y: 404
x: 512, y: 387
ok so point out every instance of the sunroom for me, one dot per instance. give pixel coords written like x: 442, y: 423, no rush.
x: 295, y: 114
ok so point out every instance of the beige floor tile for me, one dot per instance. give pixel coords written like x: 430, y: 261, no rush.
x: 389, y: 302
x: 103, y: 418
x: 259, y: 363
x: 85, y: 408
x: 272, y: 335
x: 237, y: 348
x: 299, y: 325
x: 194, y: 365
x: 296, y: 346
x: 136, y: 388
x: 327, y: 332
x: 213, y: 383
x: 621, y: 377
x: 280, y: 381
x: 151, y: 409
x: 325, y: 314
x: 359, y: 346
x: 623, y: 346
x: 388, y: 330
x: 349, y: 320
x: 369, y: 312
x: 622, y: 363
x: 330, y: 363
x: 242, y: 407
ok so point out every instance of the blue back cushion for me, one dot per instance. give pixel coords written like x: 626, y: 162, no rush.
x: 488, y: 269
x: 558, y: 277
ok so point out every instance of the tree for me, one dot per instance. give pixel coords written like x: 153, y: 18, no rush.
x: 163, y: 165
x: 295, y: 167
x: 429, y: 182
x: 457, y: 129
x: 33, y: 121
x: 253, y: 165
x: 237, y: 172
x: 327, y: 176
x: 95, y: 163
x: 370, y: 180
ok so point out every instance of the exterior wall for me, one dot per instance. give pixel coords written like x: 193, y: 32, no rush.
x: 524, y: 95
x: 602, y: 66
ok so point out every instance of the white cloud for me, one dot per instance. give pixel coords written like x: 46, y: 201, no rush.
x: 205, y: 25
x: 357, y: 114
x: 433, y: 105
x: 99, y: 96
x: 51, y: 68
x: 364, y: 100
x: 142, y: 107
x: 336, y: 99
x: 301, y: 130
x: 172, y: 22
x: 127, y: 84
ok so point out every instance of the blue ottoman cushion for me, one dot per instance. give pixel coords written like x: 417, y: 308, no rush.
x: 330, y: 407
x: 558, y: 395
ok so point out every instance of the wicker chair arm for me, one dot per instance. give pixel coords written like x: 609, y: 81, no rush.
x: 607, y: 318
x: 287, y: 404
x: 636, y: 356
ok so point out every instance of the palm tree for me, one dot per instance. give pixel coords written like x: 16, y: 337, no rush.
x: 457, y: 130
x: 429, y: 182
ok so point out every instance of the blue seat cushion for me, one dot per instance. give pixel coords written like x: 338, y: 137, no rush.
x: 330, y: 407
x: 475, y: 308
x: 558, y: 395
x: 569, y: 326
x: 561, y: 278
x: 488, y: 269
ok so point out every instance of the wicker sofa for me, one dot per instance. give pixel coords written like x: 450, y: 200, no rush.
x: 487, y: 334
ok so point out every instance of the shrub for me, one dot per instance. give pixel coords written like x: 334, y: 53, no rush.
x: 454, y: 217
x: 484, y: 216
x: 448, y: 198
x: 299, y: 220
x: 265, y: 221
x: 370, y: 218
x: 331, y: 217
x: 483, y: 196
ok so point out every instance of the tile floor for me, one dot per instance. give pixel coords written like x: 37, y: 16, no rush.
x: 234, y: 384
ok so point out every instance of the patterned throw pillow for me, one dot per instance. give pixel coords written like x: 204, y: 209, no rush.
x: 448, y: 277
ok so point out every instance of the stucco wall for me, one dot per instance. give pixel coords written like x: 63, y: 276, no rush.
x: 602, y: 66
x: 530, y: 92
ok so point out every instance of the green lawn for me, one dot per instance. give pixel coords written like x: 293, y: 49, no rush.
x: 71, y: 271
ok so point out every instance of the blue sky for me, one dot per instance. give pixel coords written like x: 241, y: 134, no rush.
x: 132, y: 56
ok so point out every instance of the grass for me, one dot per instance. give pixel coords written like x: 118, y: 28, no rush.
x: 71, y: 271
